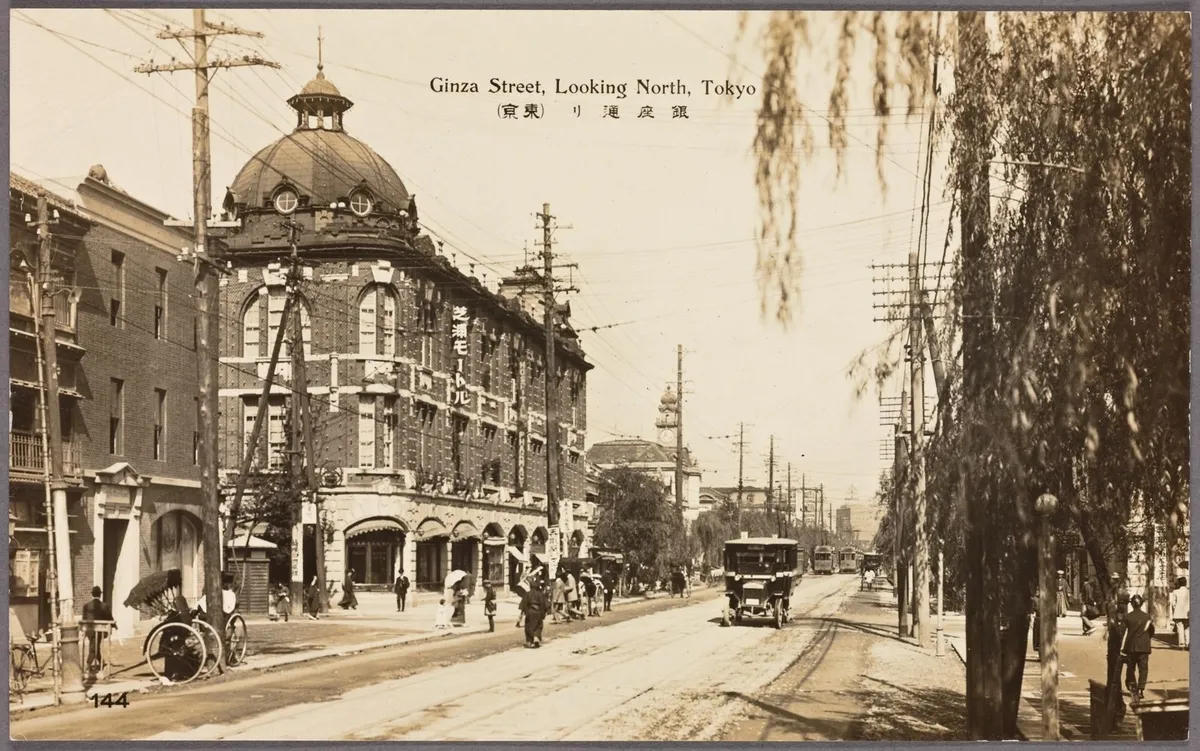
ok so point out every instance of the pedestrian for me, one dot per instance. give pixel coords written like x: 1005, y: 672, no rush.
x: 283, y: 602
x: 459, y: 615
x: 1139, y: 630
x: 442, y: 618
x: 589, y: 591
x: 348, y: 599
x: 1037, y: 628
x: 558, y: 600
x: 572, y: 591
x: 401, y: 590
x: 489, y: 605
x: 1062, y: 594
x: 1087, y: 616
x: 312, y: 599
x: 533, y: 608
x: 96, y: 609
x: 1180, y: 611
x: 610, y: 584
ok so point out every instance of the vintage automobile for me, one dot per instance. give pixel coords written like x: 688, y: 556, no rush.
x: 760, y: 574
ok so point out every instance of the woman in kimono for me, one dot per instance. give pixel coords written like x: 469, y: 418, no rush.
x: 459, y: 616
x: 348, y: 599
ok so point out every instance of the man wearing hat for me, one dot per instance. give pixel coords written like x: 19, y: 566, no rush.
x: 1062, y: 593
x: 1139, y: 630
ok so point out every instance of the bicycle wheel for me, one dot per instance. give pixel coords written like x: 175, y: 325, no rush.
x: 235, y: 636
x: 212, y: 644
x: 176, y: 653
x: 23, y: 663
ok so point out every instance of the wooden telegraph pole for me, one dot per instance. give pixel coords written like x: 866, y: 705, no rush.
x: 207, y: 290
x: 554, y: 519
x: 741, y: 479
x: 679, y: 428
x: 1048, y: 615
x: 917, y: 370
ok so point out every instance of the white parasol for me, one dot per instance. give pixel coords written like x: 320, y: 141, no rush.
x: 454, y: 577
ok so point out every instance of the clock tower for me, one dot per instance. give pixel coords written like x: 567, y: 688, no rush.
x: 668, y: 415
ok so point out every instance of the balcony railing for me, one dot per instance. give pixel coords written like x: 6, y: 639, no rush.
x: 25, y: 455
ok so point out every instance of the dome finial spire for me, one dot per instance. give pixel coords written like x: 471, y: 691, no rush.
x: 320, y: 54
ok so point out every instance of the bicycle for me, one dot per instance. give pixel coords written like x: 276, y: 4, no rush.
x: 25, y: 663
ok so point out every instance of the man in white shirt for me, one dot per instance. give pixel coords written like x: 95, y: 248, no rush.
x: 1180, y: 611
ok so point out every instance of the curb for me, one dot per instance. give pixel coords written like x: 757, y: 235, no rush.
x: 43, y: 700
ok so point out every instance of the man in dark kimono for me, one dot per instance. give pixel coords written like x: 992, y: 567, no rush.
x: 533, y: 607
x: 1139, y: 630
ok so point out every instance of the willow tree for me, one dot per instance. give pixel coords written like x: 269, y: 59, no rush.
x: 1070, y: 161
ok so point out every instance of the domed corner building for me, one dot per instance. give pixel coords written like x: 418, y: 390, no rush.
x: 427, y: 389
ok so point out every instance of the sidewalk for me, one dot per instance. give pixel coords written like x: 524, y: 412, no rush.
x: 374, y: 624
x: 1080, y: 659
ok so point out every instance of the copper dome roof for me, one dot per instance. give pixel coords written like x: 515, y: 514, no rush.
x: 322, y: 165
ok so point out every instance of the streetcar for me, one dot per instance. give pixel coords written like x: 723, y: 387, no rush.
x: 823, y: 559
x: 848, y: 560
x: 760, y: 574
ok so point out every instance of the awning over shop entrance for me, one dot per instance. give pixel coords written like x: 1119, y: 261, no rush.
x: 518, y: 554
x: 464, y: 531
x: 431, y: 528
x: 375, y: 525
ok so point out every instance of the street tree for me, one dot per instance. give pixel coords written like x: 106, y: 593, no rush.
x: 635, y: 516
x: 1080, y: 123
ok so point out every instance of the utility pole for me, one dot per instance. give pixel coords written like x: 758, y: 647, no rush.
x: 207, y: 290
x: 771, y: 478
x: 803, y: 502
x: 679, y: 500
x: 51, y: 548
x: 983, y: 663
x: 900, y: 484
x: 917, y: 370
x: 311, y: 484
x: 791, y: 503
x: 554, y: 520
x: 741, y: 479
x: 68, y: 629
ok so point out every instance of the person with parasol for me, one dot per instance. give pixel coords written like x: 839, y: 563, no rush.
x: 456, y: 594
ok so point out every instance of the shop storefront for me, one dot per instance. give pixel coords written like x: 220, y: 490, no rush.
x: 374, y: 549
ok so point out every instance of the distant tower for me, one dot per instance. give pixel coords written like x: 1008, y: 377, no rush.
x: 668, y: 414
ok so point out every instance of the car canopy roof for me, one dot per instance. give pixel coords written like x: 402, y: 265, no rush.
x: 760, y: 541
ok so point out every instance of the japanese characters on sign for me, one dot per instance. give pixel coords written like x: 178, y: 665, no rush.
x: 459, y: 396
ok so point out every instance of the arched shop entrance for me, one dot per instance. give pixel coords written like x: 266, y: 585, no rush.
x: 493, y: 555
x: 517, y: 560
x: 433, y: 543
x: 374, y: 549
x: 464, y: 549
x: 537, y: 548
x: 576, y: 544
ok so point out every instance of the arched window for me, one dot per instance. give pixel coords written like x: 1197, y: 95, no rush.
x: 377, y: 321
x: 269, y: 305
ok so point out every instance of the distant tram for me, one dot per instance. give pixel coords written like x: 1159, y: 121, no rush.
x: 823, y: 559
x: 848, y: 560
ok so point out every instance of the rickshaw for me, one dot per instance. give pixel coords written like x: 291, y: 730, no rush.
x: 760, y: 574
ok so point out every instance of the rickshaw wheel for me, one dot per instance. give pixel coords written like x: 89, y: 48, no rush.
x: 212, y: 646
x: 778, y: 614
x: 175, y: 653
x: 235, y: 634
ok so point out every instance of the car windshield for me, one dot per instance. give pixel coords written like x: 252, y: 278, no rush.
x: 756, y: 561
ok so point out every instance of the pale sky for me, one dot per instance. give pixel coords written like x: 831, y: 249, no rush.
x: 662, y: 212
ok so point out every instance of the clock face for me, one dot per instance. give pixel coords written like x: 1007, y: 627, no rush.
x: 666, y: 435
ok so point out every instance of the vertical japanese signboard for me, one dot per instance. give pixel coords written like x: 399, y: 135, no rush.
x: 459, y: 396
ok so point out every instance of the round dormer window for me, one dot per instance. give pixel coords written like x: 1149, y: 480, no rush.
x: 360, y: 203
x: 286, y: 201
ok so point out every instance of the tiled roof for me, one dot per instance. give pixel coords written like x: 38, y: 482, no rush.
x: 54, y: 192
x: 634, y: 451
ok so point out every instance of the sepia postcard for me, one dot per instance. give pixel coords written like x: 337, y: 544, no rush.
x: 599, y: 375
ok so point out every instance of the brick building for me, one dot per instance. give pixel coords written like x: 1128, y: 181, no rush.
x: 426, y: 386
x: 129, y: 430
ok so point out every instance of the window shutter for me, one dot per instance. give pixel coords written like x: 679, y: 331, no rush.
x: 366, y: 431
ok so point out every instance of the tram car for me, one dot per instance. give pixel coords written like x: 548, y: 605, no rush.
x: 848, y: 560
x: 823, y: 559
